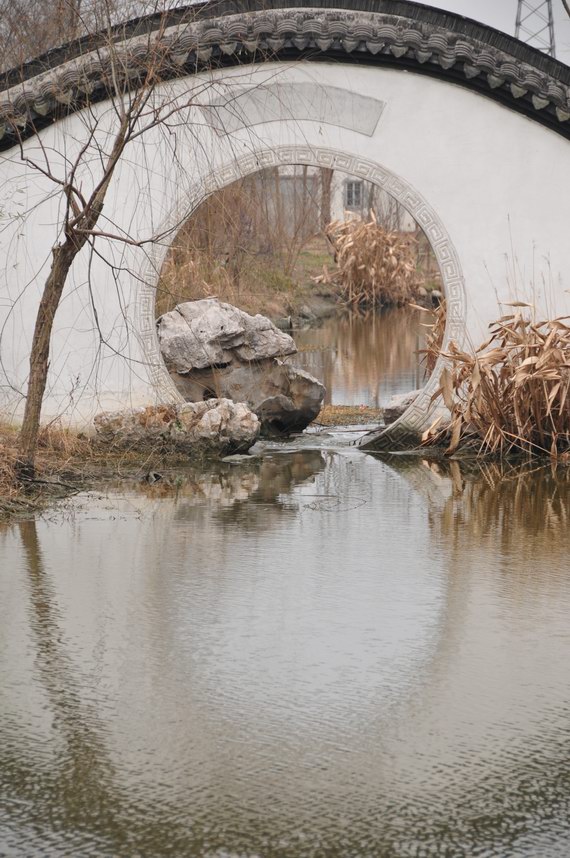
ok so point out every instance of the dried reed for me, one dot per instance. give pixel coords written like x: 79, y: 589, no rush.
x: 374, y: 265
x: 434, y: 337
x: 512, y: 394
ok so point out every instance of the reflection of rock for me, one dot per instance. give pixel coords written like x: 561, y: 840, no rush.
x: 214, y: 349
x: 272, y: 495
x: 216, y: 425
x: 253, y: 495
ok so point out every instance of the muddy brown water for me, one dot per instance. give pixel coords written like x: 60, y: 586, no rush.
x: 317, y: 653
x: 313, y: 654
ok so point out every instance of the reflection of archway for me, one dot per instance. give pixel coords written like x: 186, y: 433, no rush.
x: 398, y: 188
x: 537, y: 749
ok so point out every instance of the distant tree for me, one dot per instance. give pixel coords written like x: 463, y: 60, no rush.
x: 29, y: 28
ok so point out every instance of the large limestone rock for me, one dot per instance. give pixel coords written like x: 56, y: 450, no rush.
x: 215, y: 350
x: 194, y: 428
x: 200, y: 334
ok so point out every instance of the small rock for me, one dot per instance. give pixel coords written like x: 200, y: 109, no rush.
x: 153, y: 477
x: 398, y: 404
x: 215, y: 426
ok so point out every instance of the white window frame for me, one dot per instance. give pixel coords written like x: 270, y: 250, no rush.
x: 353, y: 194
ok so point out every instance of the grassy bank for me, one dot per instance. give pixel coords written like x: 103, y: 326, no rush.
x: 255, y: 283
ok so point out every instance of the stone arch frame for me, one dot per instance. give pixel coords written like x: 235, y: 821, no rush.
x: 410, y: 424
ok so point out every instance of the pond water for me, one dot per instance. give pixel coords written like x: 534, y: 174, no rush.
x: 316, y: 653
x: 365, y: 360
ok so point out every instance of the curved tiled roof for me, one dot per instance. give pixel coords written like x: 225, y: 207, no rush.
x: 393, y: 33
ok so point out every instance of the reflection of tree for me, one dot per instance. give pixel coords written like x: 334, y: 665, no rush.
x: 80, y: 786
x: 74, y: 797
x: 365, y: 356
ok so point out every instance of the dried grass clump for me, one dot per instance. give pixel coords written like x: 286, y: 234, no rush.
x: 8, y: 458
x: 434, y: 339
x: 374, y: 265
x: 55, y: 439
x: 348, y: 415
x: 512, y: 394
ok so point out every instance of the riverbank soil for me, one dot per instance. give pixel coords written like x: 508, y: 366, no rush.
x: 68, y: 463
x: 348, y: 415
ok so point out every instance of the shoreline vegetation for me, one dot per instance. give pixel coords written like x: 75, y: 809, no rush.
x: 70, y: 462
x: 509, y: 397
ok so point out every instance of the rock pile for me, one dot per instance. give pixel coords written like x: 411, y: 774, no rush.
x: 215, y: 350
x: 211, y: 427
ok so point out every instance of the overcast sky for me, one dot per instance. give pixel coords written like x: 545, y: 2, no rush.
x: 502, y: 15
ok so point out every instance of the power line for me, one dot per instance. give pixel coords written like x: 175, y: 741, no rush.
x: 535, y: 25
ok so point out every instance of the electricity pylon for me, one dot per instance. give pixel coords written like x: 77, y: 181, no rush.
x: 535, y: 25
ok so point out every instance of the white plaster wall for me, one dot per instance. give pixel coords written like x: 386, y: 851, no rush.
x: 496, y: 180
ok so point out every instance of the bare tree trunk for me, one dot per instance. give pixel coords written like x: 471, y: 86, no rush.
x: 63, y: 256
x: 326, y: 196
x: 305, y: 196
x: 82, y: 213
x: 77, y: 233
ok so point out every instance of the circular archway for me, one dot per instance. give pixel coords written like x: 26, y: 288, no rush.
x: 411, y: 422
